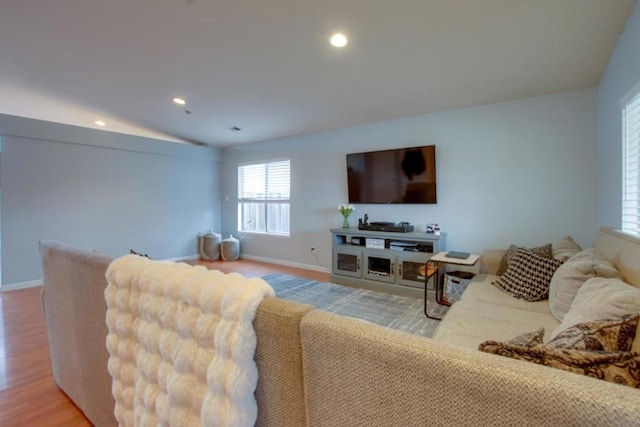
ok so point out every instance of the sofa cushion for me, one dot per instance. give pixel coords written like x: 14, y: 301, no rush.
x: 482, y: 289
x: 572, y: 274
x: 619, y: 367
x: 602, y: 335
x: 543, y: 251
x: 528, y: 276
x: 469, y: 322
x: 565, y: 248
x: 601, y: 298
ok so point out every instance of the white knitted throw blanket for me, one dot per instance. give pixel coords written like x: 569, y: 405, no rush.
x: 181, y: 343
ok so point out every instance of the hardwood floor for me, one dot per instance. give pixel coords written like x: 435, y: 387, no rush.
x: 28, y: 394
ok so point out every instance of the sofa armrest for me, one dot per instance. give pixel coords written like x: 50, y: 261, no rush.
x: 72, y: 296
x: 360, y: 374
x: 280, y: 391
x: 490, y: 260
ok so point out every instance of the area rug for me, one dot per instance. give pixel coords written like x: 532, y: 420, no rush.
x: 396, y: 312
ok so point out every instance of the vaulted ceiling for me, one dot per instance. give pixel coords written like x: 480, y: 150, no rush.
x: 267, y: 67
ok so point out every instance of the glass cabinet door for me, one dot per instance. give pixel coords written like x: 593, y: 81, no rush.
x: 379, y: 265
x: 411, y: 269
x: 347, y: 260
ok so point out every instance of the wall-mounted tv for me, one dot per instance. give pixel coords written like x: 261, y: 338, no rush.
x: 403, y: 175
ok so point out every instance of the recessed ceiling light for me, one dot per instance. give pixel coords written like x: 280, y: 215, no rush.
x: 179, y: 101
x: 338, y: 40
x: 100, y: 123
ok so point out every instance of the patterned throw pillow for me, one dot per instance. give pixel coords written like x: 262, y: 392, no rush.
x: 544, y: 251
x: 621, y: 367
x: 528, y: 339
x: 602, y: 335
x: 528, y: 276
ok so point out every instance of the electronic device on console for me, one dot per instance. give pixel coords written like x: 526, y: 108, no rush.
x: 401, y: 227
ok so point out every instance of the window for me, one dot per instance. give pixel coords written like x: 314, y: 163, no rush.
x: 263, y: 197
x: 631, y: 165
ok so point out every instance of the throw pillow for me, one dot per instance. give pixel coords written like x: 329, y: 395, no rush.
x: 598, y: 299
x: 621, y: 367
x: 544, y: 251
x: 602, y: 335
x: 528, y: 339
x: 571, y: 276
x: 565, y: 248
x: 528, y: 276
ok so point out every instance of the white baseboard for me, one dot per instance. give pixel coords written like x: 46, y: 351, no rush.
x: 286, y: 263
x: 183, y: 258
x: 20, y: 285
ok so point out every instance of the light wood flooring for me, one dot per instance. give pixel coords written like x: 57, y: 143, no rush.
x: 28, y: 393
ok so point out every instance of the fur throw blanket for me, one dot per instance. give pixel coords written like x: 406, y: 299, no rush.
x: 181, y: 343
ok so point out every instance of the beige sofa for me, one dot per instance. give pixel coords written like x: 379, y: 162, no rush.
x: 320, y: 369
x: 75, y: 312
x: 487, y: 313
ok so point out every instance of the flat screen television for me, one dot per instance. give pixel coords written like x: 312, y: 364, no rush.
x: 402, y: 175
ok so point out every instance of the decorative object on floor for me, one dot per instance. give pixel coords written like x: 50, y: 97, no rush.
x: 230, y: 248
x: 396, y: 312
x: 346, y: 210
x: 209, y: 245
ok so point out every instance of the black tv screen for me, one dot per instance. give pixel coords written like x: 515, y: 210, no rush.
x: 404, y: 175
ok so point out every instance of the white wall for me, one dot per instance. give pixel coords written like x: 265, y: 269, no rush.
x: 519, y: 172
x: 621, y: 77
x: 101, y: 191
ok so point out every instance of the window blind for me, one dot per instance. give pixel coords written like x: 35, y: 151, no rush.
x: 264, y: 190
x: 631, y: 166
x: 264, y: 181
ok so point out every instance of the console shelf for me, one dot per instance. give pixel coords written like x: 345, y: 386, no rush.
x: 394, y: 263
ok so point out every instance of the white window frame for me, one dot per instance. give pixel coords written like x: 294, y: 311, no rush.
x: 630, y: 220
x: 270, y: 203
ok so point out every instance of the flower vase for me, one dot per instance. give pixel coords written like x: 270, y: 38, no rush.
x: 345, y: 223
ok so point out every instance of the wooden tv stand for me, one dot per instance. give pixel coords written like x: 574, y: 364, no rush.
x: 393, y: 265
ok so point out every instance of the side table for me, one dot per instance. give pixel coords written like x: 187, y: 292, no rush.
x: 434, y: 268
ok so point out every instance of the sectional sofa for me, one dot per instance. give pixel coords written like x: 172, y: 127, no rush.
x: 320, y: 369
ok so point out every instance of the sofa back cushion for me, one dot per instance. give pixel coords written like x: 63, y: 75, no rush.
x: 571, y: 275
x: 545, y: 251
x: 565, y: 248
x: 623, y: 250
x: 598, y: 299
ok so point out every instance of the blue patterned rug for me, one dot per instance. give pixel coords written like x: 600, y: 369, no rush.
x: 402, y: 313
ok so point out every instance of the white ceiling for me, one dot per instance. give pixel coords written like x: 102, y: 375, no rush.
x: 267, y: 66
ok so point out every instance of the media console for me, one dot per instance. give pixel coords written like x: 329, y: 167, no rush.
x: 383, y: 261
